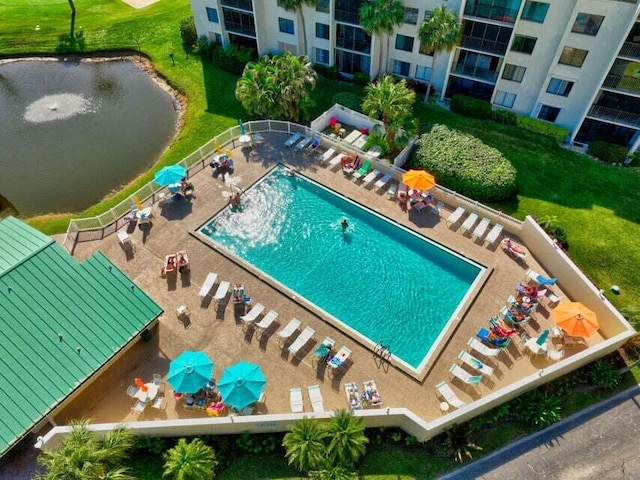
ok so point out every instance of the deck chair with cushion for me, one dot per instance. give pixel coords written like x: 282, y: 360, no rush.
x: 469, y: 222
x: 254, y: 313
x: 455, y: 216
x: 302, y: 144
x: 306, y: 335
x: 293, y: 139
x: 295, y: 400
x: 338, y: 360
x: 267, y: 320
x: 449, y: 395
x: 474, y: 363
x: 208, y: 284
x: 466, y: 377
x: 371, y: 176
x: 315, y: 395
x: 494, y: 234
x: 327, y: 155
x: 222, y: 291
x: 382, y: 181
x: 484, y: 335
x: 337, y: 159
x: 480, y: 229
x: 482, y: 349
x: 363, y: 170
x: 288, y: 330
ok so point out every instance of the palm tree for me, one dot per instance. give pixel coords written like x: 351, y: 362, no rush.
x: 296, y: 6
x: 305, y: 445
x: 329, y: 471
x: 440, y: 32
x: 82, y: 455
x: 189, y: 461
x: 381, y: 17
x: 347, y: 441
x: 392, y: 102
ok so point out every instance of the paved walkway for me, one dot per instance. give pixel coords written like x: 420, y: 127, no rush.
x: 600, y: 442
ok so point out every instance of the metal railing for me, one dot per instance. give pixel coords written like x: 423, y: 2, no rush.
x: 622, y: 82
x: 631, y: 50
x: 483, y: 44
x: 500, y: 14
x: 613, y: 115
x: 475, y: 72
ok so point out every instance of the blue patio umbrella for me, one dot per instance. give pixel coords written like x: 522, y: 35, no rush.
x: 190, y: 371
x: 241, y: 384
x: 169, y: 175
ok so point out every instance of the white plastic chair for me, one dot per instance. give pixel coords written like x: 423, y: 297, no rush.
x: 315, y: 395
x: 222, y: 291
x: 267, y: 320
x: 474, y: 363
x: 493, y: 235
x: 466, y: 377
x: 254, y: 313
x: 295, y: 400
x: 449, y: 395
x: 288, y: 330
x: 456, y: 215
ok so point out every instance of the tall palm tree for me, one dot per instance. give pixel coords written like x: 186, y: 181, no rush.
x: 296, y: 6
x: 189, y: 461
x: 82, y: 455
x: 347, y: 441
x: 392, y: 102
x: 305, y: 445
x: 381, y: 17
x: 440, y: 32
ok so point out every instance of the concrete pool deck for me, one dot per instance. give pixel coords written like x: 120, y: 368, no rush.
x: 218, y: 332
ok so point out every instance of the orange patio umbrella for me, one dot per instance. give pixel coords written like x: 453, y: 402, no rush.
x: 419, y: 179
x: 575, y: 319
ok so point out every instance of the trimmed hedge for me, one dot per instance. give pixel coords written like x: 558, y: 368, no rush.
x: 504, y: 116
x: 471, y: 107
x: 545, y: 128
x: 463, y: 163
x: 608, y: 152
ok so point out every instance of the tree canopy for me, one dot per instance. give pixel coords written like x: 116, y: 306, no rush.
x: 381, y: 17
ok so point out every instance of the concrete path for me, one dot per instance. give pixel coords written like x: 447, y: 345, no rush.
x: 600, y: 442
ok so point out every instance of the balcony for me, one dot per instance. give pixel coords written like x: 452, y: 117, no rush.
x: 501, y: 14
x: 483, y: 44
x: 475, y: 72
x: 622, y: 83
x: 630, y: 50
x: 613, y: 115
x: 346, y: 16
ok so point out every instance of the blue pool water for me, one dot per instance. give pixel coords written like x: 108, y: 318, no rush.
x: 378, y: 278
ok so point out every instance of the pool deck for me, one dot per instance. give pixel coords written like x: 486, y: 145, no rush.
x: 218, y: 332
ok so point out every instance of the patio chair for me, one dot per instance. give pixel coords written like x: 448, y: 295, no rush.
x: 532, y: 276
x: 392, y: 191
x: 208, y: 284
x: 353, y: 167
x: 315, y: 395
x: 455, y: 216
x: 555, y: 355
x: 324, y: 349
x: 293, y: 139
x: 222, y: 291
x: 371, y: 176
x: 382, y: 181
x: 338, y: 360
x: 295, y: 400
x: 327, y: 155
x: 124, y: 239
x: 469, y: 222
x: 302, y: 144
x: 159, y: 403
x: 480, y: 229
x: 254, y: 313
x: 437, y: 208
x: 353, y: 396
x: 402, y: 192
x: 484, y: 335
x: 463, y: 375
x: 449, y: 395
x: 288, y: 330
x: 494, y: 234
x: 267, y: 320
x: 306, y: 335
x: 419, y: 206
x: 552, y: 299
x: 363, y: 170
x: 337, y: 159
x: 131, y: 391
x: 138, y: 407
x: 482, y: 349
x: 474, y: 363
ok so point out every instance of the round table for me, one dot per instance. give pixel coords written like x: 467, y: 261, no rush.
x: 444, y: 406
x: 150, y: 394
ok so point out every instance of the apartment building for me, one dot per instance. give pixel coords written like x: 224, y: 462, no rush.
x: 575, y: 63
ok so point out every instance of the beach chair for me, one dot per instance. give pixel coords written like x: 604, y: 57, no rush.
x: 267, y: 320
x: 474, y: 363
x: 295, y: 400
x: 314, y: 145
x: 370, y: 394
x: 222, y: 291
x: 302, y: 144
x: 437, y: 208
x: 449, y: 395
x: 337, y: 361
x: 208, y: 284
x: 255, y: 311
x: 139, y: 407
x: 371, y: 176
x: 469, y: 222
x: 337, y: 159
x: 360, y: 142
x: 552, y: 299
x: 353, y: 136
x: 455, y: 216
x: 315, y: 395
x: 353, y: 167
x: 293, y: 139
x: 363, y: 170
x: 480, y: 229
x: 306, y: 335
x: 382, y: 182
x: 353, y: 396
x: 463, y: 375
x: 402, y: 192
x: 493, y: 235
x: 484, y: 335
x: 555, y: 355
x: 531, y: 276
x: 327, y: 155
x: 482, y: 349
x: 392, y: 191
x: 323, y: 350
x: 124, y: 239
x: 288, y: 330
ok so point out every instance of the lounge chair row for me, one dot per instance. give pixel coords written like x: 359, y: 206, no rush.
x: 480, y: 229
x: 362, y: 172
x: 315, y: 397
x: 370, y: 396
x: 207, y: 288
x: 303, y: 142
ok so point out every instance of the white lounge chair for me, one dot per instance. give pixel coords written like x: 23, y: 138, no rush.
x: 466, y: 377
x: 222, y: 291
x: 315, y: 395
x: 392, y: 191
x: 353, y: 136
x: 205, y: 290
x: 339, y: 358
x: 456, y: 215
x: 306, y: 335
x: 449, y: 395
x: 293, y: 139
x: 555, y: 355
x: 302, y: 144
x: 382, y: 181
x: 257, y: 309
x: 469, y: 222
x: 123, y: 238
x: 482, y: 349
x: 371, y: 176
x: 267, y: 320
x: 288, y: 330
x: 327, y: 155
x: 494, y: 234
x: 336, y: 160
x: 295, y: 400
x: 532, y: 276
x: 474, y: 363
x: 481, y: 228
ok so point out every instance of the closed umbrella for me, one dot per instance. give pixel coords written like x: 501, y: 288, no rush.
x: 418, y: 179
x: 171, y: 174
x: 575, y: 319
x: 190, y: 371
x: 244, y: 138
x: 241, y: 384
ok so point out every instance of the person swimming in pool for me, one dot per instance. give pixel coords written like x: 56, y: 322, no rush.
x: 345, y: 225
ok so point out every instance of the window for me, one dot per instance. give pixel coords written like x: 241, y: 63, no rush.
x: 212, y: 15
x: 587, y: 24
x: 523, y: 44
x: 401, y: 68
x: 513, y: 73
x: 352, y: 38
x: 404, y: 43
x: 322, y: 56
x: 323, y: 6
x: 411, y: 15
x: 548, y: 113
x: 504, y: 99
x: 322, y: 30
x: 219, y: 39
x: 286, y: 25
x: 288, y: 47
x: 535, y: 11
x: 573, y: 56
x: 423, y: 73
x: 241, y: 4
x: 559, y: 87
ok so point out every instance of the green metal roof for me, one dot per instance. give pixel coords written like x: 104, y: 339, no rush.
x: 60, y: 321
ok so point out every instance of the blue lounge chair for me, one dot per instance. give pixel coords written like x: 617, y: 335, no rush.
x: 293, y: 139
x: 483, y: 334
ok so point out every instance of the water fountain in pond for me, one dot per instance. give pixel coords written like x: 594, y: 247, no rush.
x: 57, y: 107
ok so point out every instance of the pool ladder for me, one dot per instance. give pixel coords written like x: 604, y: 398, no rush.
x: 382, y: 350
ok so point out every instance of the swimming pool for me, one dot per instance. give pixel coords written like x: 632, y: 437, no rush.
x: 380, y: 279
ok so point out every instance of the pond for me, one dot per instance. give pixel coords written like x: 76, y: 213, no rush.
x: 72, y: 132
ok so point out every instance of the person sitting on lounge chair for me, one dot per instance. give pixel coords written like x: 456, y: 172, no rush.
x: 513, y: 248
x: 238, y: 293
x: 183, y: 261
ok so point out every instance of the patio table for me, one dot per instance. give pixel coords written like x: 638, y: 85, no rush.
x: 150, y: 394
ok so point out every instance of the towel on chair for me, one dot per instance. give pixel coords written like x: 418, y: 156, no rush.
x: 545, y: 281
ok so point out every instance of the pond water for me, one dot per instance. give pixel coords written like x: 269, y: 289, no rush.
x: 71, y: 132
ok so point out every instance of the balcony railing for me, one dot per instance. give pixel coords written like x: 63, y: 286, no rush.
x: 620, y: 82
x: 240, y: 28
x: 345, y: 16
x: 241, y: 4
x: 631, y: 50
x: 501, y: 14
x: 475, y: 72
x: 613, y: 115
x: 484, y: 44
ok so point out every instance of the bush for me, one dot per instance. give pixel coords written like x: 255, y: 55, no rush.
x: 465, y: 164
x: 233, y: 58
x: 320, y: 69
x: 202, y: 45
x: 333, y: 72
x: 349, y: 100
x: 604, y: 375
x: 188, y: 32
x: 471, y: 107
x: 549, y: 224
x: 360, y: 78
x: 504, y: 116
x: 608, y: 152
x: 544, y: 128
x: 537, y: 409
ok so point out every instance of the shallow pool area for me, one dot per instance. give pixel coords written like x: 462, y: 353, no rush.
x: 376, y: 277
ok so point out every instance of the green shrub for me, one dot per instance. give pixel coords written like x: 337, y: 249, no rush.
x: 188, y: 32
x: 550, y: 224
x: 202, y: 45
x: 537, y: 409
x: 146, y: 444
x: 320, y: 69
x: 333, y: 72
x: 360, y: 78
x: 465, y: 164
x: 504, y: 116
x: 604, y: 375
x: 608, y: 152
x: 349, y: 100
x: 233, y: 58
x: 544, y: 128
x: 471, y: 107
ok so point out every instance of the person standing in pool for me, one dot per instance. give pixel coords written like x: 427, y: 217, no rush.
x: 345, y: 225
